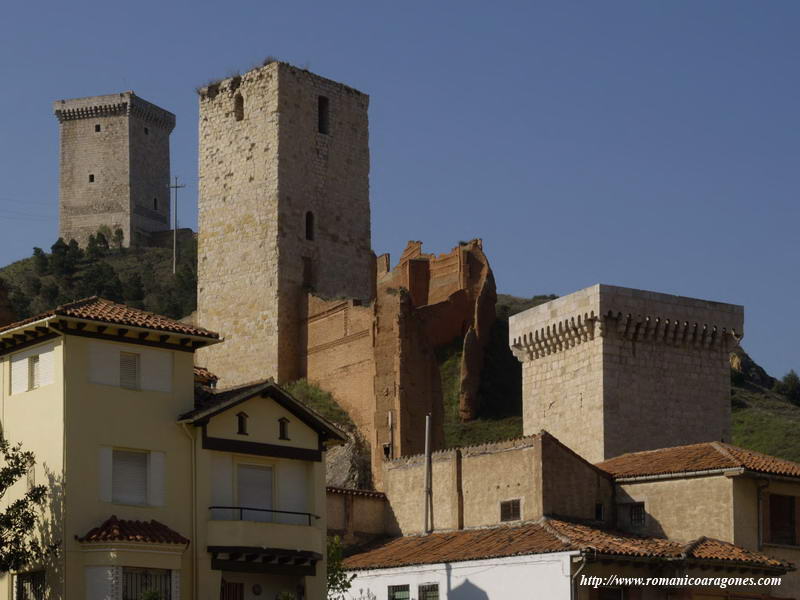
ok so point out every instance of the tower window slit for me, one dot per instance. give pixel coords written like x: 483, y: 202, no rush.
x: 238, y: 107
x: 323, y: 114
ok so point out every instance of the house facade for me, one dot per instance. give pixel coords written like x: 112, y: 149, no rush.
x: 155, y: 485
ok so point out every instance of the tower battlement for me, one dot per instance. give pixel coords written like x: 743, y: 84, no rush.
x: 610, y: 370
x: 113, y: 166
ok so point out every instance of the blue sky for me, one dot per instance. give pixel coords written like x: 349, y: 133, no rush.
x: 644, y: 144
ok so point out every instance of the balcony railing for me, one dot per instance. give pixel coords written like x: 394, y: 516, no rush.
x: 263, y: 515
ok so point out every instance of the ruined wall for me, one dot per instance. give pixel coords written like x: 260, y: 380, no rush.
x: 356, y: 516
x: 259, y: 252
x: 611, y: 370
x: 113, y: 166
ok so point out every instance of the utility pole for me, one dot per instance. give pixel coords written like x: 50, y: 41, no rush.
x: 175, y: 187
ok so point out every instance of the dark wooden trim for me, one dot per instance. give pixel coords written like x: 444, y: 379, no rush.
x: 28, y: 343
x: 259, y: 449
x: 305, y: 554
x: 115, y: 338
x: 257, y: 567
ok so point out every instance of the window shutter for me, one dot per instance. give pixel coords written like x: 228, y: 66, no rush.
x: 766, y: 534
x: 129, y: 477
x: 255, y: 491
x: 19, y: 374
x: 156, y: 479
x: 47, y: 366
x: 33, y: 372
x: 129, y: 370
x: 105, y: 472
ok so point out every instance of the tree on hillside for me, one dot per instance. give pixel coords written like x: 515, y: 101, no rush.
x: 133, y: 291
x: 18, y: 548
x: 119, y: 237
x: 92, y: 249
x: 74, y: 255
x: 789, y: 386
x: 100, y: 279
x: 58, y: 258
x: 40, y: 262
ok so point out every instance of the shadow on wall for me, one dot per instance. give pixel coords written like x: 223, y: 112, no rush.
x: 49, y: 534
x: 651, y: 527
x: 466, y: 591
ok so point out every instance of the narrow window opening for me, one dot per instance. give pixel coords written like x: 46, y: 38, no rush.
x: 241, y: 423
x: 637, y: 515
x: 129, y: 370
x: 310, y: 226
x: 155, y: 203
x: 283, y: 426
x: 146, y: 131
x: 323, y: 115
x: 238, y: 107
x: 599, y: 512
x: 510, y: 510
x: 91, y: 178
x: 97, y: 128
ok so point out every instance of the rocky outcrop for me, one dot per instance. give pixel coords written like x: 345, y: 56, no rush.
x: 349, y: 465
x: 748, y: 370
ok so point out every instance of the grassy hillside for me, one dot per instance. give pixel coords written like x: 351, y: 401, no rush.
x: 765, y: 421
x: 140, y: 277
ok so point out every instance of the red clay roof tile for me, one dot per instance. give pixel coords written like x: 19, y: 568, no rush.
x: 105, y: 311
x: 707, y: 456
x: 120, y: 530
x: 545, y: 536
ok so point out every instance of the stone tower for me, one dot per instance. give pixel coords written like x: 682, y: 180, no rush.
x: 610, y: 370
x: 114, y: 167
x: 283, y: 211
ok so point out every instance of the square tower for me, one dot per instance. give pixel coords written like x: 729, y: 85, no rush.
x: 610, y: 370
x: 283, y: 211
x: 113, y: 167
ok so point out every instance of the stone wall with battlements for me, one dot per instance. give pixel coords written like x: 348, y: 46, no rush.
x: 610, y: 370
x: 113, y: 167
x: 265, y: 166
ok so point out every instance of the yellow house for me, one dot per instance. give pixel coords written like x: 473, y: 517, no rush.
x: 156, y: 485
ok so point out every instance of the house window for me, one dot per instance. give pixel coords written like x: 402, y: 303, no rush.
x: 241, y: 423
x: 97, y: 128
x: 509, y: 510
x: 782, y: 519
x: 34, y: 372
x: 91, y: 178
x: 636, y: 514
x: 310, y: 226
x: 429, y: 591
x: 238, y: 107
x: 136, y: 583
x: 129, y: 370
x: 283, y: 427
x: 254, y: 492
x: 129, y: 477
x: 30, y: 586
x: 399, y: 592
x: 323, y: 115
x: 599, y: 512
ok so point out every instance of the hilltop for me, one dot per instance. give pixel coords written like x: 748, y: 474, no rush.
x: 764, y: 419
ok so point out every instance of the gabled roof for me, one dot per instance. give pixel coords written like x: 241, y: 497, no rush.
x: 552, y: 535
x: 707, y: 456
x: 105, y: 311
x: 120, y: 530
x: 209, y: 403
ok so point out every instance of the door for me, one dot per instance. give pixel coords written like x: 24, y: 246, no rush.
x: 254, y: 485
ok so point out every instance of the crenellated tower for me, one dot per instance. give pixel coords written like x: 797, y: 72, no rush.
x: 113, y: 167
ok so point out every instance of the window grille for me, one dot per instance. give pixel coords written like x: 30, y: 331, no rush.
x: 637, y: 514
x: 510, y: 510
x: 137, y: 582
x: 30, y: 586
x: 399, y: 592
x: 429, y: 591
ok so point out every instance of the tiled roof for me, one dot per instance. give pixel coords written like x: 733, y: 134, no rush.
x: 707, y: 456
x: 204, y: 376
x: 120, y: 530
x: 546, y: 536
x: 105, y: 311
x: 353, y: 492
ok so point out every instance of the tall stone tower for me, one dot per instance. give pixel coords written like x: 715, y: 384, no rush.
x: 114, y: 167
x: 283, y: 210
x: 610, y: 370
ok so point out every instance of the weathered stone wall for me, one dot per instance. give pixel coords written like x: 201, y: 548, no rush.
x: 470, y: 483
x: 611, y: 370
x: 255, y: 263
x: 356, y: 516
x: 128, y: 159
